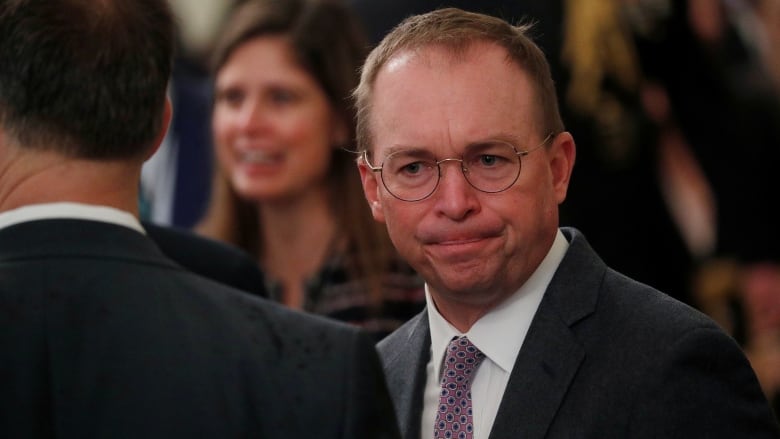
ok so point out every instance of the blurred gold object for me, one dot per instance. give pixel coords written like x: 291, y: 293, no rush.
x: 714, y: 286
x: 597, y: 43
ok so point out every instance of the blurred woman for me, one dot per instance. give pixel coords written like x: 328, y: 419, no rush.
x: 287, y: 189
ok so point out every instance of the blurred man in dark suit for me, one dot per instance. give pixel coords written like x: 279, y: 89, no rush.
x: 101, y: 335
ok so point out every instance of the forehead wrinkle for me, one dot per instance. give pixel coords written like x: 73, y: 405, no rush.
x: 442, y: 56
x: 505, y: 137
x: 415, y: 150
x: 421, y: 150
x: 452, y: 134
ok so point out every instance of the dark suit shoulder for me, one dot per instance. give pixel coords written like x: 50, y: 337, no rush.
x: 588, y: 294
x: 653, y: 366
x: 210, y: 258
x: 319, y: 362
x: 101, y: 321
x: 686, y: 377
x: 647, y: 311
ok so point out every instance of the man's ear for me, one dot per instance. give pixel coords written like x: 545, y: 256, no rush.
x: 166, y: 123
x: 562, y: 154
x: 371, y: 187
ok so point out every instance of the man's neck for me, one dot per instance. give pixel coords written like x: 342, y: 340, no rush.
x: 35, y: 177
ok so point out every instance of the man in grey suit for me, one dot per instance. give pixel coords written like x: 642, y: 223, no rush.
x: 101, y: 335
x: 527, y: 333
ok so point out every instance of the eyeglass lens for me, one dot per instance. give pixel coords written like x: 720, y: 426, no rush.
x: 414, y: 175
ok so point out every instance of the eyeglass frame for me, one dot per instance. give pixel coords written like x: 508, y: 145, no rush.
x: 463, y: 169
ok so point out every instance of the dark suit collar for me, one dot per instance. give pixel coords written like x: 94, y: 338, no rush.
x: 78, y: 238
x: 574, y: 288
x: 551, y: 353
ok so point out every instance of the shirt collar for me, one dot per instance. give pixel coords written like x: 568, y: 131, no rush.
x: 491, y: 333
x: 68, y: 210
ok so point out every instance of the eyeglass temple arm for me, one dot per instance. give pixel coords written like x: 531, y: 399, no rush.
x: 373, y: 168
x: 544, y: 142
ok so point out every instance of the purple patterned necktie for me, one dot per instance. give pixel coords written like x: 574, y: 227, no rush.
x: 454, y: 417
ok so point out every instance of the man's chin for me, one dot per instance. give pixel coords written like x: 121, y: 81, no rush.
x: 468, y: 283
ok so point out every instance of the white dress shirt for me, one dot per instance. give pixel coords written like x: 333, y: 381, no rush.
x: 499, y: 334
x: 67, y: 210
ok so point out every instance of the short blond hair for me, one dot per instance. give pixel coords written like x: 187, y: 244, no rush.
x: 457, y: 30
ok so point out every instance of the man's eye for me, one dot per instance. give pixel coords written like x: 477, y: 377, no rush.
x: 488, y: 160
x: 412, y: 168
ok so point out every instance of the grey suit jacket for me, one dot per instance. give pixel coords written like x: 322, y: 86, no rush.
x: 605, y: 357
x: 101, y: 336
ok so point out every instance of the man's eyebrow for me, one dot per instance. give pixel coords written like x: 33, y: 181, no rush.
x: 413, y: 150
x: 417, y: 150
x: 506, y: 137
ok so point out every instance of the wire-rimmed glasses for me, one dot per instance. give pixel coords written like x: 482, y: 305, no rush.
x: 414, y: 174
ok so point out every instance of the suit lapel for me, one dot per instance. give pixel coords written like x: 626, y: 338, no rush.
x: 405, y: 372
x: 551, y: 353
x: 542, y: 373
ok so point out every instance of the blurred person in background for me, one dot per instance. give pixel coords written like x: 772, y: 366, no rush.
x: 101, y: 335
x: 175, y: 182
x: 285, y: 188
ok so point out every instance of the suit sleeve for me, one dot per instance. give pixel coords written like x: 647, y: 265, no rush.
x: 370, y: 412
x: 702, y: 387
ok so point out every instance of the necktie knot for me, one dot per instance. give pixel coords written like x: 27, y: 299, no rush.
x: 460, y: 361
x: 454, y: 416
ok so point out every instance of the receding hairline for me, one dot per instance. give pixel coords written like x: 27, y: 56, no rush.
x: 450, y: 28
x: 450, y: 51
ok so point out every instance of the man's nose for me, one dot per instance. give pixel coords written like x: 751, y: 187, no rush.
x: 455, y: 197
